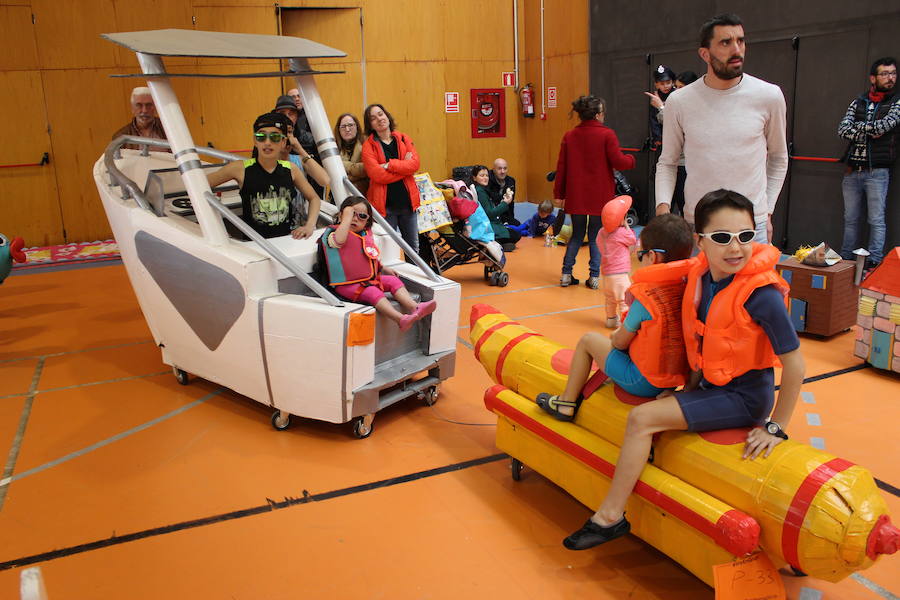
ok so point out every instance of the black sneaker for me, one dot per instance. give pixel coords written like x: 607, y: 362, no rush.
x: 591, y: 534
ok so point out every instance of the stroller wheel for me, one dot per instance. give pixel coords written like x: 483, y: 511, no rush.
x: 495, y: 279
x: 502, y: 279
x: 487, y: 273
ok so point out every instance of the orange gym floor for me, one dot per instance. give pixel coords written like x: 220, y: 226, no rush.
x: 120, y: 483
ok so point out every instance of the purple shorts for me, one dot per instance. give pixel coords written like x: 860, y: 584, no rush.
x: 369, y: 292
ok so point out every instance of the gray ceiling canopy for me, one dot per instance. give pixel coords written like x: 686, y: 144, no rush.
x: 213, y: 44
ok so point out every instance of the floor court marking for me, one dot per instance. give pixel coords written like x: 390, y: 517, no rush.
x: 556, y: 312
x: 89, y: 384
x: 538, y: 287
x: 873, y: 586
x: 13, y: 455
x: 464, y: 342
x: 270, y: 506
x: 9, y: 478
x: 53, y: 354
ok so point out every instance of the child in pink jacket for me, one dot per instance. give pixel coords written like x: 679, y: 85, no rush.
x: 615, y: 241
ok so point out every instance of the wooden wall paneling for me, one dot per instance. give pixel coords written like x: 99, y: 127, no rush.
x: 413, y: 92
x: 236, y: 19
x: 410, y: 30
x: 17, y: 46
x: 477, y: 30
x: 462, y: 148
x: 228, y: 107
x: 68, y: 33
x: 340, y: 29
x: 335, y: 27
x: 29, y: 206
x: 82, y: 123
x: 147, y: 15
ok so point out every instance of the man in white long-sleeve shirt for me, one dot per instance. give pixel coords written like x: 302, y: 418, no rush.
x: 731, y: 127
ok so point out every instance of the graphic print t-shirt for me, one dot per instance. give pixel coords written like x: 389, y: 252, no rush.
x: 267, y: 198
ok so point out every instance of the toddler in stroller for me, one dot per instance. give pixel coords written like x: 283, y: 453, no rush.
x: 468, y: 240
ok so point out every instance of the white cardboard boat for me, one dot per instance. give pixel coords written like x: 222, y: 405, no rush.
x: 248, y: 314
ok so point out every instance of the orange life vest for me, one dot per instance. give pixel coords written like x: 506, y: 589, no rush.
x: 354, y: 262
x: 729, y: 344
x: 658, y: 348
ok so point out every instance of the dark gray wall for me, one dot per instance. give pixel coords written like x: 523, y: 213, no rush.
x: 819, y: 73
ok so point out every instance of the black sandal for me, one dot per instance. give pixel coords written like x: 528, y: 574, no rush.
x: 591, y: 534
x: 550, y: 405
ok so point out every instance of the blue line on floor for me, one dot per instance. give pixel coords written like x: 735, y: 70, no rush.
x: 813, y: 419
x: 874, y: 587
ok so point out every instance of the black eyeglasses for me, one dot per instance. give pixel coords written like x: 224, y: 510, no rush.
x: 723, y: 238
x: 275, y: 136
x: 642, y: 253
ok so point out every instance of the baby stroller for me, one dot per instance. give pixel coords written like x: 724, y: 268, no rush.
x: 469, y: 239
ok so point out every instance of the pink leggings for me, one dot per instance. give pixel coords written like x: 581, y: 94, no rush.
x: 614, y: 287
x: 369, y: 292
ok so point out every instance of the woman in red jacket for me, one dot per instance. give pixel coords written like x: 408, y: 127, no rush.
x: 584, y: 181
x: 390, y: 160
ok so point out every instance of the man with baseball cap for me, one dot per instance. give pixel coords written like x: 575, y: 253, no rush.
x: 664, y: 82
x: 268, y: 184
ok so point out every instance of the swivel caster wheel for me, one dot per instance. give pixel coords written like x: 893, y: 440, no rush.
x: 502, y: 279
x: 487, y: 273
x: 495, y: 278
x: 281, y: 420
x: 181, y: 376
x: 431, y: 395
x: 363, y: 426
x: 516, y: 466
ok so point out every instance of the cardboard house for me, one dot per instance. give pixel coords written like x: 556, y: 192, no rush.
x: 822, y: 299
x: 878, y: 317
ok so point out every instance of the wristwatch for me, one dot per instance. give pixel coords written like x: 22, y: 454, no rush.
x: 775, y: 429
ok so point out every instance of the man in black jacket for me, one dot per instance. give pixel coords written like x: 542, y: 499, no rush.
x: 871, y: 126
x: 500, y: 184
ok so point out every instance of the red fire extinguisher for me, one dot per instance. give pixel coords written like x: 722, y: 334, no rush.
x: 526, y: 96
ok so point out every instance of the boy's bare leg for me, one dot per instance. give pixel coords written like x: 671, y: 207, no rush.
x: 592, y: 347
x: 644, y: 420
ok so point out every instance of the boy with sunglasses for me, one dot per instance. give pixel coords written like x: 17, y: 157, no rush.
x: 736, y: 329
x: 639, y: 356
x: 268, y: 183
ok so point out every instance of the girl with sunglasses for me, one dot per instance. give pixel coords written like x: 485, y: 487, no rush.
x: 736, y: 330
x: 268, y: 183
x: 354, y: 271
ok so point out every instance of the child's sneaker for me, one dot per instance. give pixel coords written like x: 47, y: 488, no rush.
x: 592, y: 282
x: 612, y: 322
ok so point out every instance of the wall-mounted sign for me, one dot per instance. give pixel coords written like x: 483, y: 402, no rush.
x: 451, y: 102
x: 551, y: 97
x: 509, y: 79
x: 488, y: 112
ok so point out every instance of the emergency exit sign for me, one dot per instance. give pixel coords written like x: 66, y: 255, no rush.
x: 551, y: 97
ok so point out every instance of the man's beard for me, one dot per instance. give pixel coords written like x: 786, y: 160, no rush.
x: 144, y: 120
x: 887, y: 88
x: 723, y: 71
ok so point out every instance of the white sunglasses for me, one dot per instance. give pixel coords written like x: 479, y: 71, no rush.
x: 723, y: 238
